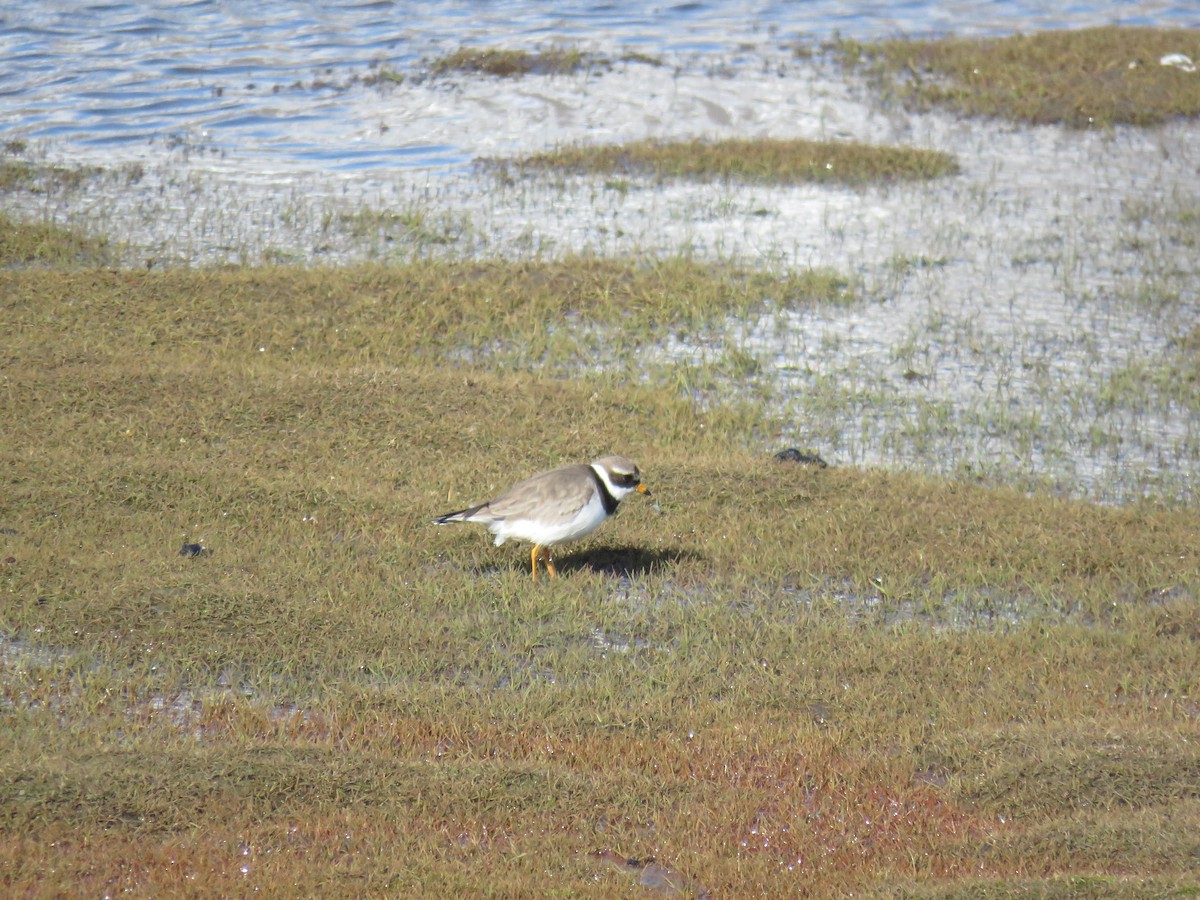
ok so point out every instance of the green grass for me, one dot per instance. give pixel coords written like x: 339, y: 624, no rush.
x: 516, y: 63
x: 553, y: 60
x: 412, y: 226
x: 383, y: 75
x: 1089, y: 77
x: 45, y: 243
x: 23, y: 244
x: 760, y: 678
x: 16, y: 174
x: 758, y: 160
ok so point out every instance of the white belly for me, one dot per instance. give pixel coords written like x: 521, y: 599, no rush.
x: 535, y: 531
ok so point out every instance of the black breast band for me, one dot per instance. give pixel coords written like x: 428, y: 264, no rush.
x: 610, y: 502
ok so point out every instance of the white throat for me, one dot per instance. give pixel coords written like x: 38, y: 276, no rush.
x: 618, y: 491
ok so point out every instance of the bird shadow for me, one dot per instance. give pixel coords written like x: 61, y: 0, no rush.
x: 625, y: 561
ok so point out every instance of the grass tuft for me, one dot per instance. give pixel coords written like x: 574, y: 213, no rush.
x: 24, y: 244
x: 1089, y: 77
x: 759, y: 160
x: 517, y: 63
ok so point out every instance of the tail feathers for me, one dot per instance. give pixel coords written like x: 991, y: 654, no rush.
x: 462, y: 515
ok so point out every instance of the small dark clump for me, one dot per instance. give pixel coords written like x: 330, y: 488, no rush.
x: 192, y: 550
x: 805, y: 457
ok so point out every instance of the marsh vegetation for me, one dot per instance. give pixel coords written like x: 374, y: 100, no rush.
x: 553, y: 60
x: 236, y: 657
x: 762, y: 161
x: 1092, y: 77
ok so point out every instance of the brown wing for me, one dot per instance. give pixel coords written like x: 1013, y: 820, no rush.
x: 565, y: 490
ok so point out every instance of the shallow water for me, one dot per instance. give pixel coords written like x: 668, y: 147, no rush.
x: 267, y: 85
x: 1003, y: 305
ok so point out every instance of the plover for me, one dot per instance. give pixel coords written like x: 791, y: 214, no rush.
x: 563, y: 504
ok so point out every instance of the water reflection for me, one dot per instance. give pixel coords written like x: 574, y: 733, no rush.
x: 154, y: 69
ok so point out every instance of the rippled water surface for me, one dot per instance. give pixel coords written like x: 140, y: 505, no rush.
x: 266, y: 82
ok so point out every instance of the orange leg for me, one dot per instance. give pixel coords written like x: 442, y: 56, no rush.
x: 542, y: 553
